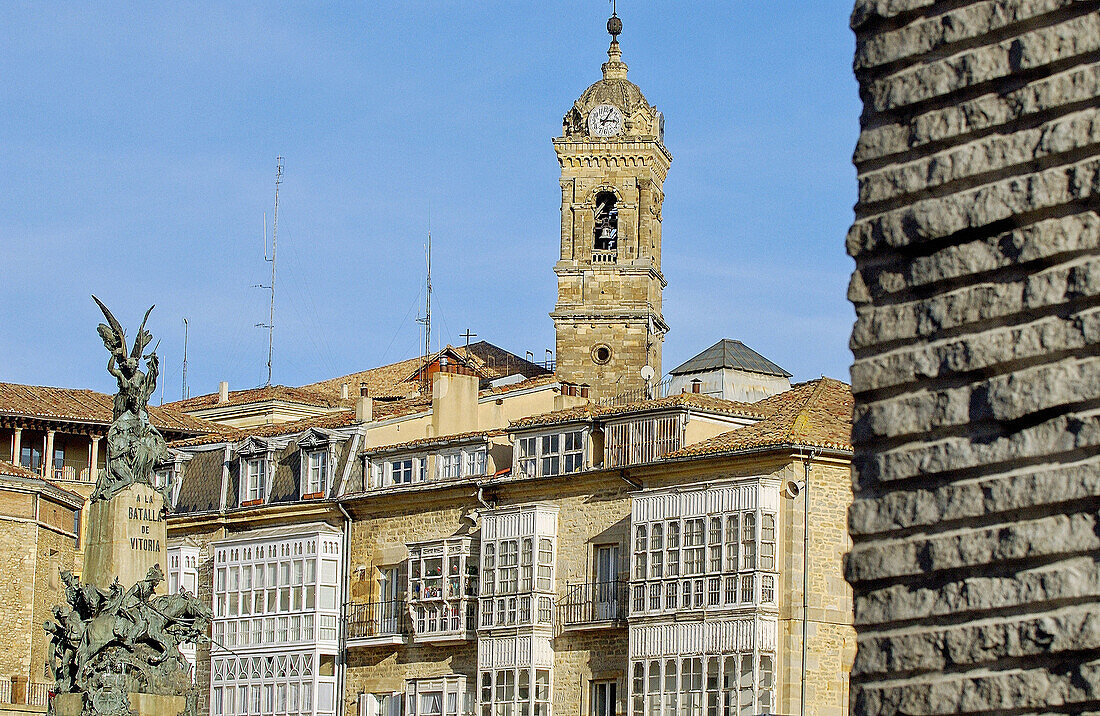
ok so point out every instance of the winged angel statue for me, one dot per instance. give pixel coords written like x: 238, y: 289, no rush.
x: 133, y: 445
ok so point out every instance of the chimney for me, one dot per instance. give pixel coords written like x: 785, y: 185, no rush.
x: 454, y: 400
x: 223, y: 391
x: 364, y: 406
x: 343, y: 391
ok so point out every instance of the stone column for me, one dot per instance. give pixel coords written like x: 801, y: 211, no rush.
x: 47, y: 459
x: 16, y: 445
x: 976, y: 559
x: 93, y: 461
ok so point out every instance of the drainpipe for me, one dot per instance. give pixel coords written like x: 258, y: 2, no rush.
x: 343, y: 642
x: 805, y: 572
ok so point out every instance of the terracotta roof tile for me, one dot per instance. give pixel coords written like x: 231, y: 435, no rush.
x: 285, y: 393
x: 21, y: 476
x: 695, y: 401
x: 87, y: 406
x: 432, y: 441
x: 817, y: 413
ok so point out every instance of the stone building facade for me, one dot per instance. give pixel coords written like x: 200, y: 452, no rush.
x: 976, y: 375
x: 576, y: 557
x: 38, y: 539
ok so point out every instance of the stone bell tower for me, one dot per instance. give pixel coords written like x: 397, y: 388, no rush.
x: 613, y: 167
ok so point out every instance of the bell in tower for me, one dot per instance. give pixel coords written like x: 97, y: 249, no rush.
x: 613, y: 166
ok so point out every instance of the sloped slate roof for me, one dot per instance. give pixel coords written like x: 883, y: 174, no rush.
x: 817, y: 413
x: 88, y: 406
x: 728, y: 353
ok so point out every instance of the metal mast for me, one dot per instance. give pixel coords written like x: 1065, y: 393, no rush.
x: 428, y: 301
x: 183, y: 394
x: 270, y: 325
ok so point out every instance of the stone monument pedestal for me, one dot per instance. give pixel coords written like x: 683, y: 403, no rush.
x: 140, y: 705
x: 126, y: 537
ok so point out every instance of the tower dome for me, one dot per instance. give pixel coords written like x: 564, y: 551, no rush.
x: 614, y: 89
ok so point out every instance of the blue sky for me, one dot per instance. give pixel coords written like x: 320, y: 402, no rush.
x: 138, y: 145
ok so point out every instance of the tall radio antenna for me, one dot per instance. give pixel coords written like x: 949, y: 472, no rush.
x: 184, y: 395
x: 427, y: 319
x: 270, y: 325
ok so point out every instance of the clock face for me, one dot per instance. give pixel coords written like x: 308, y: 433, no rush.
x: 605, y: 120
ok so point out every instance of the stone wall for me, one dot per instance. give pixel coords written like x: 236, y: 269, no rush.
x: 18, y: 559
x: 976, y: 372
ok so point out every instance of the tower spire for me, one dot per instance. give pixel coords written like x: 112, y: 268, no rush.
x: 614, y: 68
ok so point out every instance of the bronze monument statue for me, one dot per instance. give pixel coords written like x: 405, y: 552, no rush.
x: 133, y: 444
x: 115, y: 649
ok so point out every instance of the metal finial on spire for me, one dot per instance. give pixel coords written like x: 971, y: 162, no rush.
x: 614, y: 24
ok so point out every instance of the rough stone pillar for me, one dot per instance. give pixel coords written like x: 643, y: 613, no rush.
x: 977, y: 357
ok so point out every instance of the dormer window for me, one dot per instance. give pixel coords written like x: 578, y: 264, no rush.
x: 316, y: 473
x: 162, y: 478
x: 255, y: 481
x: 550, y: 455
x: 405, y: 471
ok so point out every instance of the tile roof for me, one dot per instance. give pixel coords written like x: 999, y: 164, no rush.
x: 382, y: 409
x: 88, y: 406
x: 256, y: 395
x: 590, y: 411
x: 20, y: 476
x: 385, y: 381
x: 432, y: 441
x: 817, y: 413
x: 728, y: 353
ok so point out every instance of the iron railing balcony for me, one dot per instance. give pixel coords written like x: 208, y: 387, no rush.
x: 377, y: 622
x: 594, y: 604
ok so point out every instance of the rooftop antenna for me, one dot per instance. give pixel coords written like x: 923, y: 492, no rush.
x: 184, y: 395
x: 427, y: 319
x: 270, y: 325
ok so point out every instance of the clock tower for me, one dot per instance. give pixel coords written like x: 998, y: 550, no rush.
x: 613, y: 166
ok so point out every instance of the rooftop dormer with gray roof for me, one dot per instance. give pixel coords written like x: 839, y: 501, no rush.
x: 730, y: 370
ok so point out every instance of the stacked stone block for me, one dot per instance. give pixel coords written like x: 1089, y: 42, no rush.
x: 977, y: 377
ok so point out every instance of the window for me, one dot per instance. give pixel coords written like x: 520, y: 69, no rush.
x: 515, y: 692
x: 516, y: 570
x: 642, y: 440
x: 405, y: 471
x: 316, y: 472
x: 450, y: 465
x: 603, y: 698
x: 437, y: 697
x: 255, y: 480
x: 443, y: 582
x: 30, y: 457
x: 714, y: 685
x: 475, y: 462
x: 550, y: 455
x: 767, y: 541
x: 704, y: 562
x: 162, y: 477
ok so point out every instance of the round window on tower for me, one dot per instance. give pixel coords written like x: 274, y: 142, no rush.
x: 601, y: 353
